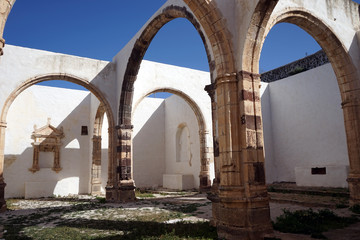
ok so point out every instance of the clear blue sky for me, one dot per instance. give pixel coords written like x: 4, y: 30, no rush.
x: 99, y: 29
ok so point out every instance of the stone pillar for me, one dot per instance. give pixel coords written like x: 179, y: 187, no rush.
x: 213, y: 196
x: 96, y: 166
x: 351, y: 109
x: 242, y: 204
x: 205, y: 181
x: 2, y: 183
x: 125, y: 189
x: 112, y: 162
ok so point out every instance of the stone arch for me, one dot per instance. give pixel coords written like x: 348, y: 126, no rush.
x: 61, y: 76
x: 219, y: 54
x: 205, y: 181
x: 96, y: 151
x: 220, y: 57
x: 5, y: 8
x: 343, y: 66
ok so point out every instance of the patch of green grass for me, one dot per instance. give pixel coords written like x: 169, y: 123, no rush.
x: 143, y: 194
x: 310, y: 222
x: 11, y: 204
x: 101, y: 199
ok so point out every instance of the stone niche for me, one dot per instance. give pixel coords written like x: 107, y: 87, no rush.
x: 47, y: 139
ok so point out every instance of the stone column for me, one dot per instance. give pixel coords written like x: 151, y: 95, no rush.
x: 111, y: 183
x: 211, y: 91
x: 205, y: 181
x: 96, y: 166
x: 125, y: 189
x: 213, y: 196
x: 242, y: 205
x: 351, y: 109
x: 2, y: 183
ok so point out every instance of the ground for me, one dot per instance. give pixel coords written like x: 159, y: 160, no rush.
x: 155, y: 215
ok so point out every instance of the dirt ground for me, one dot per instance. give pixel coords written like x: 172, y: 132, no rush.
x: 196, y: 205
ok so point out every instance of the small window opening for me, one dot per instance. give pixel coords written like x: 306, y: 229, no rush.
x: 318, y: 171
x: 84, y: 130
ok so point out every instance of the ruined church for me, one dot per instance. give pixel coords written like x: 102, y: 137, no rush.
x: 227, y: 132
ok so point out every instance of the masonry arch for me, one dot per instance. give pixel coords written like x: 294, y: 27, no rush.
x: 204, y: 175
x: 96, y: 151
x: 345, y: 71
x: 219, y: 56
x: 65, y: 77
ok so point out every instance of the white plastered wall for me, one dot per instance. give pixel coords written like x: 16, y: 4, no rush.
x: 156, y: 122
x: 149, y: 143
x: 68, y: 109
x: 178, y: 113
x: 304, y: 129
x: 19, y: 64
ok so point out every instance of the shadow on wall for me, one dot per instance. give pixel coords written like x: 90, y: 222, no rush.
x: 75, y: 160
x: 149, y: 145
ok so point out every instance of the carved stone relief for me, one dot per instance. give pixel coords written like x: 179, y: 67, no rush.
x: 47, y: 139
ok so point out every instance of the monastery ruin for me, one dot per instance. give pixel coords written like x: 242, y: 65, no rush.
x: 227, y: 132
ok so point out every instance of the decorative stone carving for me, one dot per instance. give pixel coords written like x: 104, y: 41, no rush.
x: 47, y: 139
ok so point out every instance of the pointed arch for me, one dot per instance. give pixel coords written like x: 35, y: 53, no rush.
x: 219, y: 53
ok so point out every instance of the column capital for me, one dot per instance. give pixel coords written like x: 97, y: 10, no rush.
x: 226, y: 78
x: 3, y: 124
x: 210, y: 89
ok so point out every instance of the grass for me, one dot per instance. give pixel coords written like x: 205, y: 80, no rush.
x: 94, y: 220
x: 310, y: 222
x: 143, y: 194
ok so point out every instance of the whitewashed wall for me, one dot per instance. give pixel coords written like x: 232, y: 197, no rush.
x: 149, y: 143
x: 154, y: 144
x: 178, y: 112
x: 304, y: 128
x: 67, y: 108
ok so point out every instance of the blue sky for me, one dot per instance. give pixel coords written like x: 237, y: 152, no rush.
x: 97, y: 30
